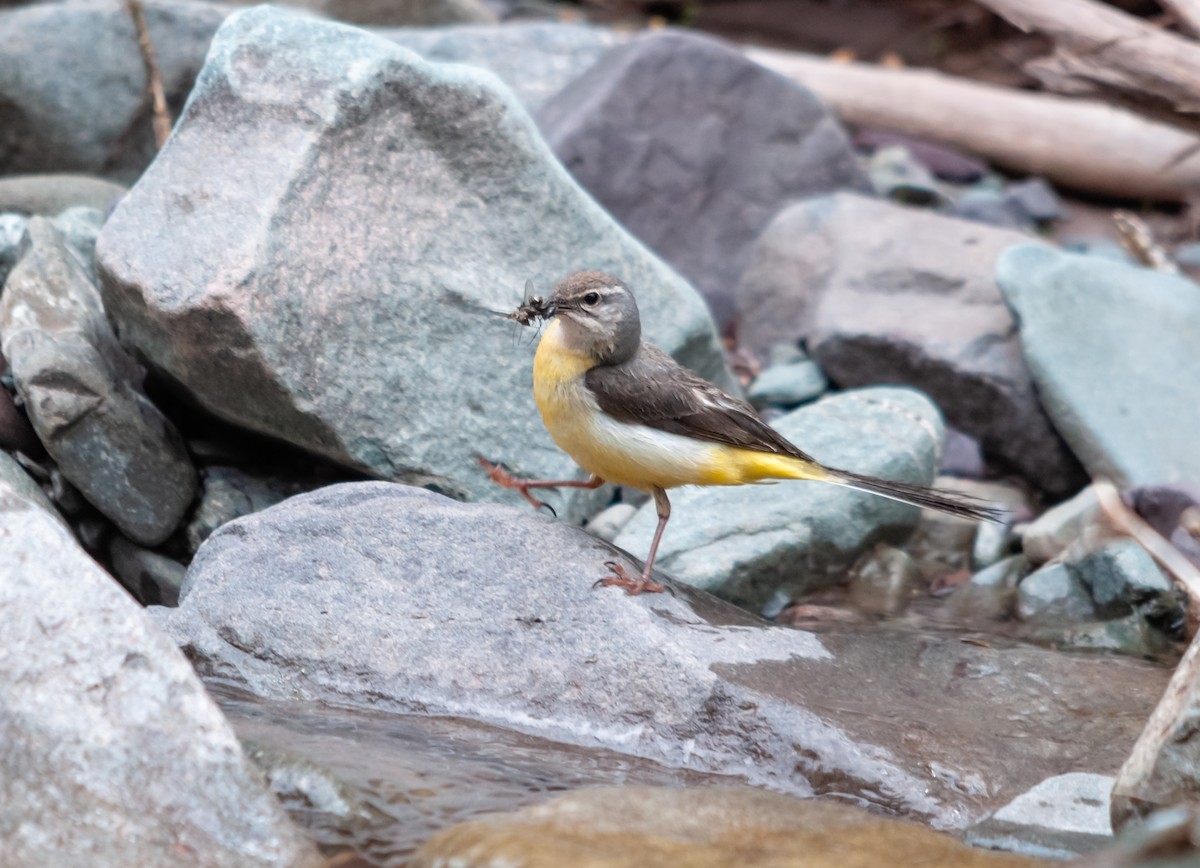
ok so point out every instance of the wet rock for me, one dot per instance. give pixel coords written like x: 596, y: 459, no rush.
x: 535, y: 59
x: 1063, y: 816
x: 103, y: 128
x: 393, y: 598
x: 1125, y: 392
x: 1121, y: 575
x: 608, y: 523
x: 991, y: 593
x: 896, y: 174
x: 694, y: 148
x: 631, y: 827
x: 788, y: 385
x: 1061, y: 526
x: 304, y: 786
x: 230, y: 492
x: 411, y: 374
x: 887, y: 294
x: 400, y: 13
x: 1054, y: 595
x: 47, y: 195
x: 748, y: 543
x: 104, y: 726
x: 83, y: 393
x: 153, y: 579
x: 1130, y: 635
x: 946, y: 163
x: 884, y: 580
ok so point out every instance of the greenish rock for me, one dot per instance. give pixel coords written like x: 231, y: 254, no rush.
x: 1121, y: 575
x: 1054, y: 595
x: 400, y: 13
x: 410, y: 201
x: 788, y: 385
x: 747, y: 542
x: 534, y: 59
x: 896, y: 174
x: 1130, y: 635
x: 991, y: 593
x: 884, y: 580
x: 991, y: 544
x: 1124, y: 390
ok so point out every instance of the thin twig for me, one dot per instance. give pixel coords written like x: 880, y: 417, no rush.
x: 154, y: 84
x: 1139, y: 241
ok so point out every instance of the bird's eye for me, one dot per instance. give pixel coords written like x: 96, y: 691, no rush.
x: 591, y: 298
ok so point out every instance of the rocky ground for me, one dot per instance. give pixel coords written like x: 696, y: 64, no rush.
x: 247, y: 378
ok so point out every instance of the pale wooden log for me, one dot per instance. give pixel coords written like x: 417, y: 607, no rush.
x: 1187, y: 12
x: 1080, y: 144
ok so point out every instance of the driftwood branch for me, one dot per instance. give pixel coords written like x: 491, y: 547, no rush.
x: 1081, y: 144
x: 1187, y: 13
x: 154, y: 82
x: 1102, y: 48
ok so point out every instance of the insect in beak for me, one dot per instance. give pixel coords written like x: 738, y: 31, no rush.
x: 533, y: 307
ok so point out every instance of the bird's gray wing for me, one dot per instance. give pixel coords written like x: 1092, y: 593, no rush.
x: 653, y: 389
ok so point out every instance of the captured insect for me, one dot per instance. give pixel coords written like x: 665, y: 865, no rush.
x: 533, y: 307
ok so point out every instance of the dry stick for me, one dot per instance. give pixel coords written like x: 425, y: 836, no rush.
x: 1188, y: 13
x: 1082, y: 144
x: 1110, y: 50
x: 154, y: 84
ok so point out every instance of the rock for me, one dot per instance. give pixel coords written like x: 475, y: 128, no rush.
x: 1037, y: 200
x: 305, y: 787
x: 1162, y: 506
x: 896, y: 174
x: 992, y: 542
x: 1054, y: 595
x: 410, y: 375
x: 991, y: 207
x: 694, y: 148
x: 888, y: 294
x: 946, y: 163
x: 1121, y: 575
x: 748, y: 543
x: 391, y: 598
x: 608, y: 524
x: 16, y: 434
x: 14, y: 477
x: 1063, y: 816
x: 83, y: 393
x: 631, y: 827
x: 12, y: 230
x: 47, y: 195
x: 79, y: 227
x: 105, y: 728
x: 399, y: 13
x: 944, y: 543
x: 884, y: 580
x: 102, y: 128
x: 961, y: 455
x: 535, y: 59
x: 1130, y: 635
x: 1125, y: 392
x: 1062, y: 525
x: 788, y: 385
x: 230, y: 492
x: 152, y: 578
x: 991, y: 593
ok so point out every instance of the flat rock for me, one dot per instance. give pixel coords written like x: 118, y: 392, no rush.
x: 694, y: 148
x: 111, y: 752
x: 1063, y: 816
x: 72, y: 82
x: 535, y: 59
x: 393, y: 598
x: 648, y: 827
x: 888, y: 294
x: 335, y: 285
x: 751, y: 543
x: 84, y: 395
x: 47, y: 195
x: 1125, y: 391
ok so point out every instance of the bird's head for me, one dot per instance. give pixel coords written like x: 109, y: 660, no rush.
x: 598, y: 316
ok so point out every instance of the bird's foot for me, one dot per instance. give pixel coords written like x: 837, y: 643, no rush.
x: 621, y: 579
x: 500, y: 475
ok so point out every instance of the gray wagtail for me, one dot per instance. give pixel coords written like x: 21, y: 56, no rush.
x: 630, y: 414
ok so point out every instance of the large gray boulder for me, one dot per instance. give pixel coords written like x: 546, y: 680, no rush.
x: 399, y: 13
x: 335, y: 284
x: 889, y: 294
x: 73, y: 85
x: 694, y: 148
x: 1115, y: 353
x: 535, y: 59
x: 111, y: 753
x: 751, y: 543
x: 393, y: 598
x: 84, y: 395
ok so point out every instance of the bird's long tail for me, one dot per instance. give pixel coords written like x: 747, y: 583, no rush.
x: 962, y: 505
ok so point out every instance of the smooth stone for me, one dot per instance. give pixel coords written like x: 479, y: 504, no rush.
x: 892, y: 295
x: 1187, y: 254
x: 1063, y: 816
x: 747, y: 543
x: 1038, y: 200
x: 1163, y: 506
x: 83, y: 393
x: 227, y: 493
x: 943, y: 543
x: 993, y: 208
x: 535, y: 59
x: 991, y: 544
x: 896, y: 174
x: 708, y: 827
x: 1130, y: 635
x: 1054, y: 595
x: 946, y: 163
x: 47, y: 195
x: 1100, y: 248
x: 411, y: 374
x: 1125, y: 391
x: 884, y: 580
x: 153, y: 579
x: 788, y: 385
x: 694, y: 148
x: 113, y: 754
x: 73, y: 89
x: 991, y: 593
x: 608, y: 523
x: 1062, y: 525
x: 392, y: 599
x: 961, y: 455
x: 399, y: 13
x: 1121, y: 575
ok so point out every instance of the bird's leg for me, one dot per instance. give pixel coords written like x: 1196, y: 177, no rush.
x: 620, y: 578
x: 499, y: 475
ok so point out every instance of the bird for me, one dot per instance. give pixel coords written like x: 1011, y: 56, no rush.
x: 629, y: 414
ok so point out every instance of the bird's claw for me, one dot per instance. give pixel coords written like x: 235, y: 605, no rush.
x: 633, y: 587
x: 500, y: 475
